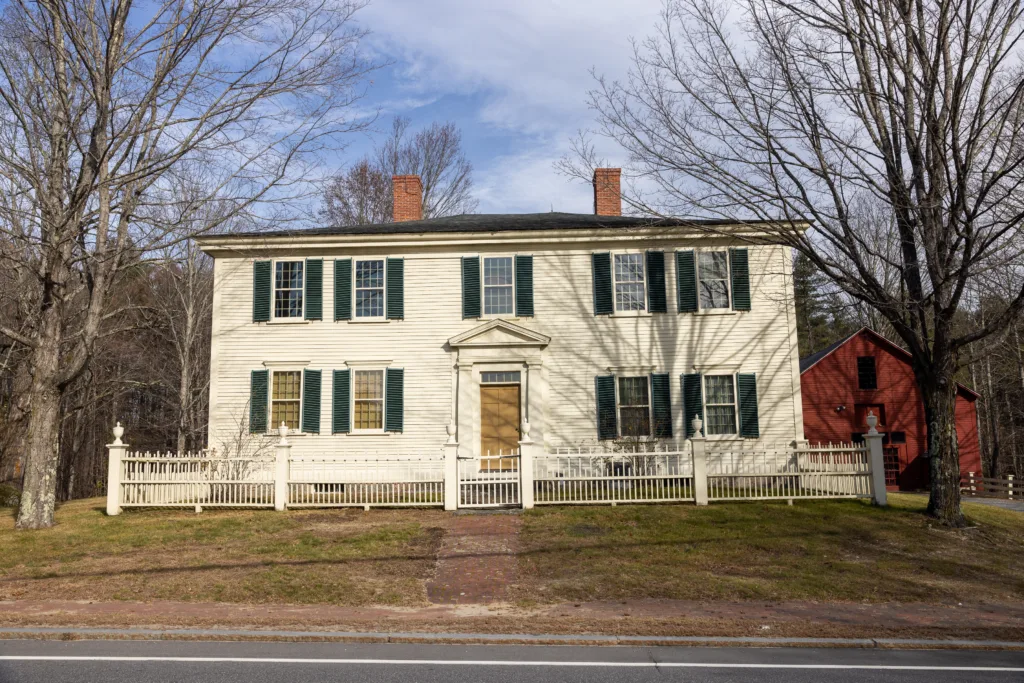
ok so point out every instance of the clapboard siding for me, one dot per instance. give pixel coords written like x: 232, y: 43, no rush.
x: 583, y: 345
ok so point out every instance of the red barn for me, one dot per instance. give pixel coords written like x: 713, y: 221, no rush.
x: 865, y: 372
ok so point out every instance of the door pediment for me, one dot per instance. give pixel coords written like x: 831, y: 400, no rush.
x: 499, y: 334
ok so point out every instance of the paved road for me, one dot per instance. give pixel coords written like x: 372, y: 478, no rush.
x: 28, y: 661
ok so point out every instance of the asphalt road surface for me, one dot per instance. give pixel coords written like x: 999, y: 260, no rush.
x: 36, y: 661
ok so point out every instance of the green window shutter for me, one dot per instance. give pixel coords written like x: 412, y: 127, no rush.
x: 396, y: 289
x: 604, y: 302
x: 746, y: 385
x: 657, y: 299
x: 311, y: 401
x: 661, y: 406
x: 740, y: 279
x: 470, y: 286
x: 524, y: 286
x: 261, y: 291
x: 258, y: 383
x: 693, y: 401
x: 343, y: 289
x: 607, y: 425
x: 314, y: 289
x: 341, y: 414
x: 394, y: 399
x: 686, y: 282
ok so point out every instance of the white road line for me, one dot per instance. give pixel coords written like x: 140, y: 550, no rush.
x: 460, y: 662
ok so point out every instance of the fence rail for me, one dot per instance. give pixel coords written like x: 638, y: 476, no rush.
x: 201, y: 479
x: 991, y: 487
x: 833, y: 471
x: 587, y: 477
x: 413, y: 481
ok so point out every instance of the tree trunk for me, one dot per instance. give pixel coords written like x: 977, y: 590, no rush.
x: 38, y: 498
x: 938, y: 388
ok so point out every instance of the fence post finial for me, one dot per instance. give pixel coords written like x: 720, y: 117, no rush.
x: 873, y: 439
x: 698, y: 444
x: 115, y: 454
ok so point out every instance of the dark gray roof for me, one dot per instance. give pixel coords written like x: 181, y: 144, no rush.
x: 495, y: 222
x: 807, y: 362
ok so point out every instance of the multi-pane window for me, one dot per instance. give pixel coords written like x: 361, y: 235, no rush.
x: 630, y: 294
x: 368, y: 402
x: 713, y: 273
x: 288, y: 289
x: 499, y: 377
x: 634, y: 406
x: 369, y: 289
x: 719, y: 404
x: 498, y: 296
x: 286, y: 399
x: 867, y: 378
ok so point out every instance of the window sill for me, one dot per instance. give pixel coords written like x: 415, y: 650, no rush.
x: 289, y: 321
x: 368, y: 321
x: 715, y: 311
x: 369, y: 432
x: 290, y: 434
x: 632, y: 314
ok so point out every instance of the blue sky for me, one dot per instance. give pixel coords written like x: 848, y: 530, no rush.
x: 513, y: 75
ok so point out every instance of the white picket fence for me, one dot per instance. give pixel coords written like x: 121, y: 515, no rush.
x: 696, y: 471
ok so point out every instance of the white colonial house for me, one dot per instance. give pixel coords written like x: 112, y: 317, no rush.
x: 501, y: 360
x: 484, y: 329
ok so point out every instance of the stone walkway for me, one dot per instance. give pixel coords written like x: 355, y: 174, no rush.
x: 477, y: 559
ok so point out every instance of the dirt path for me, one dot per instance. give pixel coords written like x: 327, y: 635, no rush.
x: 477, y: 560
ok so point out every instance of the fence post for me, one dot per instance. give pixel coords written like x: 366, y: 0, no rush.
x: 527, y: 452
x: 970, y: 482
x: 1009, y: 485
x: 451, y: 470
x: 874, y: 442
x: 115, y: 452
x: 700, y: 462
x: 281, y: 468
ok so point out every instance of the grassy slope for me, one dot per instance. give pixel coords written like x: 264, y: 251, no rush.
x: 819, y: 551
x: 828, y: 550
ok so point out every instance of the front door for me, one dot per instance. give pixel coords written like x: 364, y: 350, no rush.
x: 499, y: 423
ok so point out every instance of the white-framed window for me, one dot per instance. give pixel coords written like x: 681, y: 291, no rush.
x: 499, y: 285
x: 368, y: 289
x: 634, y: 404
x: 285, y: 398
x: 719, y: 404
x: 368, y: 400
x: 288, y: 288
x: 629, y: 278
x: 713, y: 279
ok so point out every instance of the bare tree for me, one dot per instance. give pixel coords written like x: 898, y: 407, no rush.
x: 99, y: 102
x: 810, y: 110
x: 363, y: 194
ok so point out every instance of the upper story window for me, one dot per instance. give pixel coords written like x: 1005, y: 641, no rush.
x: 719, y: 404
x: 713, y: 275
x: 286, y: 398
x: 629, y: 279
x: 499, y: 298
x: 867, y: 378
x: 369, y: 288
x: 288, y: 289
x: 368, y: 400
x: 634, y: 406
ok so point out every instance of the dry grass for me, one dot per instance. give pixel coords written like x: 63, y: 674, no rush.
x: 344, y: 557
x: 828, y: 551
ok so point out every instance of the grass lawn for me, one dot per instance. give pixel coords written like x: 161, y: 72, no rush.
x: 828, y: 551
x: 822, y: 550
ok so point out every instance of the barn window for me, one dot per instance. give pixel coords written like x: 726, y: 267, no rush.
x: 866, y: 376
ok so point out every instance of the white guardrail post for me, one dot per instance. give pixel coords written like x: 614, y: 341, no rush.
x: 698, y: 446
x: 115, y: 452
x: 284, y: 454
x: 451, y: 471
x: 528, y: 451
x: 873, y: 439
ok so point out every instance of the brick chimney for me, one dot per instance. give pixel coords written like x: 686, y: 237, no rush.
x: 408, y: 198
x: 607, y: 195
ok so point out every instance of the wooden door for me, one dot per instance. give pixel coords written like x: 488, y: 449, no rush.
x: 499, y: 422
